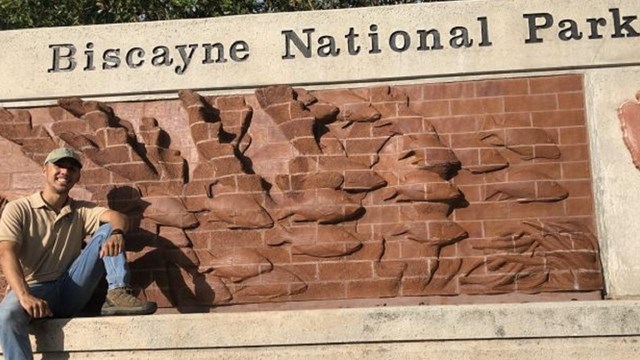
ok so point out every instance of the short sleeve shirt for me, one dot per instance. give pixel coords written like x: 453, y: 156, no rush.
x: 48, y: 241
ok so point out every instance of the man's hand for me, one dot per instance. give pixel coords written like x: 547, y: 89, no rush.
x: 35, y: 307
x: 113, y: 246
x: 10, y: 265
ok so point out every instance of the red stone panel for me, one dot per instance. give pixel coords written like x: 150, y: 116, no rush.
x: 473, y: 187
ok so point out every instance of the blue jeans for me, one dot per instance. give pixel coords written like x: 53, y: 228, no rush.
x: 66, y: 296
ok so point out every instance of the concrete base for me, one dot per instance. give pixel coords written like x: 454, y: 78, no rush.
x: 560, y: 330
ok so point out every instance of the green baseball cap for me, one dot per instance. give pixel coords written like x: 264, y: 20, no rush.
x: 63, y: 153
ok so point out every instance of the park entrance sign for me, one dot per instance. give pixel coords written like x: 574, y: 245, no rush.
x: 411, y: 42
x: 391, y: 154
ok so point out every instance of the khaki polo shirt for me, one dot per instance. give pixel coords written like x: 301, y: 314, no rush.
x: 49, y: 242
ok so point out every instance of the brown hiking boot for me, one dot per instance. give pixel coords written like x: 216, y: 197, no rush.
x: 120, y: 302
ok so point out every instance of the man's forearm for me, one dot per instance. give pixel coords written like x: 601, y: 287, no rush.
x: 11, y: 268
x: 117, y: 220
x: 10, y: 265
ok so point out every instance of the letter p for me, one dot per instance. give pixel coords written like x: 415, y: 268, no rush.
x: 534, y: 26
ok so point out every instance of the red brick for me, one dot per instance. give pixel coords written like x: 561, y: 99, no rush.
x: 502, y: 87
x: 414, y: 286
x: 530, y: 281
x: 560, y: 281
x: 487, y: 284
x: 529, y: 171
x: 474, y: 228
x: 458, y: 124
x: 477, y: 106
x: 238, y: 238
x: 536, y: 210
x: 502, y: 121
x: 227, y: 165
x: 468, y: 157
x: 279, y: 255
x: 530, y: 103
x: 360, y: 130
x: 162, y: 298
x: 574, y: 152
x: 577, y: 188
x: 469, y: 249
x: 579, y: 206
x: 25, y: 181
x: 448, y: 90
x: 199, y: 239
x: 389, y: 269
x: 369, y: 251
x: 449, y: 251
x: 483, y: 211
x: 345, y: 271
x: 443, y: 285
x: 419, y: 267
x: 589, y: 280
x: 226, y: 103
x: 554, y: 84
x: 467, y: 178
x: 128, y: 110
x: 571, y: 101
x: 386, y: 93
x: 467, y: 140
x: 249, y: 183
x: 163, y: 109
x: 414, y: 92
x: 410, y: 249
x: 392, y: 250
x: 362, y: 146
x: 323, y: 291
x: 471, y: 192
x: 432, y: 108
x: 95, y: 176
x: 275, y: 134
x: 501, y: 227
x: 408, y: 125
x: 373, y: 288
x: 573, y: 135
x: 576, y: 170
x: 5, y: 181
x: 559, y: 118
x: 381, y: 215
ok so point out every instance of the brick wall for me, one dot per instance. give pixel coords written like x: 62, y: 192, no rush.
x: 286, y: 195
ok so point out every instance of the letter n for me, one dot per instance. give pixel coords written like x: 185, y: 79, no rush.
x: 292, y: 38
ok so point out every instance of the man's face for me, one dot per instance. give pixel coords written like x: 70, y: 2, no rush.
x: 61, y: 176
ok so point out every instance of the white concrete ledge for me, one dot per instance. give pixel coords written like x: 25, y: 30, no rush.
x: 574, y: 330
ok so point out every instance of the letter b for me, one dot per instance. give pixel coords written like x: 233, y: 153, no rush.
x: 58, y: 57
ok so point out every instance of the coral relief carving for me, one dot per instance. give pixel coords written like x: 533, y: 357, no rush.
x: 234, y: 197
x: 294, y: 195
x: 530, y: 244
x: 539, y: 256
x: 420, y: 197
x: 17, y: 127
x: 629, y: 115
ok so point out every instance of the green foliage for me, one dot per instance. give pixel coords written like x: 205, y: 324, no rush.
x: 16, y: 14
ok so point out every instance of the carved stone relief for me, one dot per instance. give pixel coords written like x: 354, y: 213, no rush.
x: 336, y: 194
x: 629, y: 115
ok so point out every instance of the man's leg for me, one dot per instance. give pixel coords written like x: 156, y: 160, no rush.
x: 14, y: 329
x: 77, y: 285
x: 83, y: 276
x: 14, y: 322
